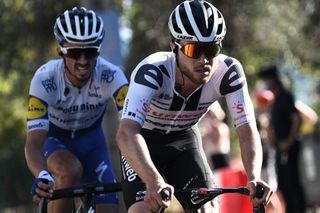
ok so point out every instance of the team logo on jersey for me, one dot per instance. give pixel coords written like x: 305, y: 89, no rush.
x: 36, y: 109
x: 38, y: 125
x: 145, y: 103
x: 238, y: 107
x: 43, y: 68
x: 94, y: 91
x: 233, y: 80
x: 49, y: 85
x: 107, y: 76
x: 120, y: 96
x: 151, y: 76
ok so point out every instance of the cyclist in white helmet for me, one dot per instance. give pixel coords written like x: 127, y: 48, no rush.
x: 67, y: 99
x: 168, y: 94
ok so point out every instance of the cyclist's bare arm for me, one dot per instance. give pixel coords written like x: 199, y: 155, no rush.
x: 34, y: 151
x: 133, y: 147
x: 251, y: 154
x: 35, y: 159
x: 251, y: 150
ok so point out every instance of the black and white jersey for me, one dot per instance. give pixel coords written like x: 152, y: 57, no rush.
x: 154, y: 103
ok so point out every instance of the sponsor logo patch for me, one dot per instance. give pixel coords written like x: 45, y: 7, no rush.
x: 238, y: 107
x: 120, y: 96
x: 36, y: 108
x: 129, y: 174
x: 107, y: 76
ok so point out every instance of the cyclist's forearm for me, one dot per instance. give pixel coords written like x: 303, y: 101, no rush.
x: 34, y: 152
x: 133, y: 147
x: 251, y: 150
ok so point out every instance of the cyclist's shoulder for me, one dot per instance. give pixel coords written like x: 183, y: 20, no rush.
x: 104, y: 64
x: 228, y: 75
x: 162, y: 63
x: 47, y: 82
x: 50, y: 68
x: 225, y: 62
x: 160, y: 57
x: 157, y: 59
x: 49, y: 73
x: 225, y: 66
x: 107, y: 72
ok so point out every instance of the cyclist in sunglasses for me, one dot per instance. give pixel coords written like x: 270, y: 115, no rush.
x: 67, y: 99
x: 168, y: 94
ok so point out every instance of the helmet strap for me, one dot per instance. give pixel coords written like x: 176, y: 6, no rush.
x: 66, y: 67
x: 178, y: 86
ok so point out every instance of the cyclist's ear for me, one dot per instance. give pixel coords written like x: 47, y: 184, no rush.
x: 173, y: 47
x: 59, y: 52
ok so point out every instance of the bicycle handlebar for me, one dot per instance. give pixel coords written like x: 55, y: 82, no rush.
x: 84, y: 190
x: 91, y: 189
x: 199, y: 195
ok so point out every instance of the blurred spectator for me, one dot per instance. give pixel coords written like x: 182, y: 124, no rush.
x: 285, y: 122
x: 228, y: 170
x: 216, y: 137
x: 309, y: 117
x: 264, y: 100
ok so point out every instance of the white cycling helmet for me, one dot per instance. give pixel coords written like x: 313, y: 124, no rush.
x: 197, y: 20
x: 79, y: 26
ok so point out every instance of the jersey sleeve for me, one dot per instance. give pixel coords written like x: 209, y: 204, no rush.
x: 234, y: 88
x: 120, y: 90
x: 113, y: 81
x: 39, y: 93
x: 145, y: 82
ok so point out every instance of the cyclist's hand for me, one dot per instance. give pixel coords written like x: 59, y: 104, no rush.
x: 158, y: 196
x: 42, y: 187
x: 264, y: 197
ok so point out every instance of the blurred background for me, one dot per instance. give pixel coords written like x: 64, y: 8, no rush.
x: 259, y: 32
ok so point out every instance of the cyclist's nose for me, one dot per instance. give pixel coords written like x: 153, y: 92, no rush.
x: 82, y: 57
x: 204, y: 59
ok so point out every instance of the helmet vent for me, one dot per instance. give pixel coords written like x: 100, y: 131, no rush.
x: 79, y: 26
x: 197, y: 21
x: 185, y: 20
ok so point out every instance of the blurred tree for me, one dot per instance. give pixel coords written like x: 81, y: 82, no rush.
x: 259, y: 32
x: 148, y: 21
x: 26, y: 42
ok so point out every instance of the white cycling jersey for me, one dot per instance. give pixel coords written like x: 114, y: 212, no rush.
x: 53, y: 98
x: 154, y: 103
